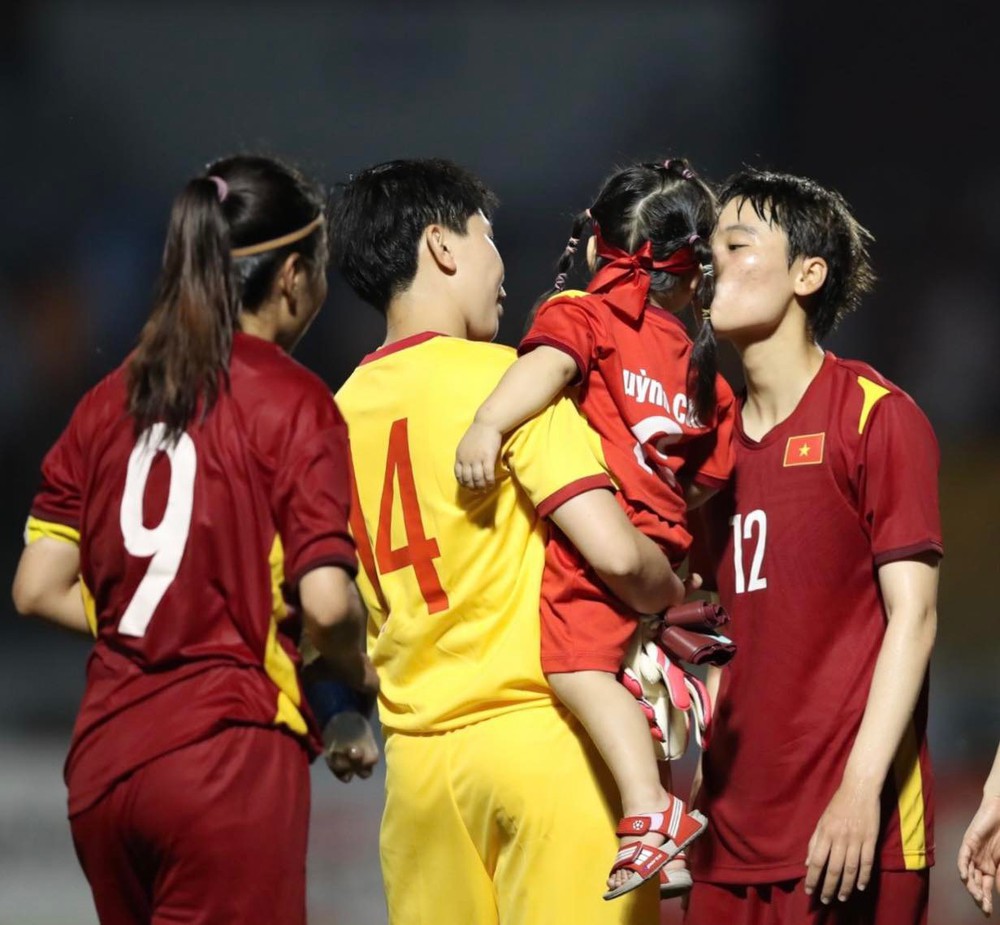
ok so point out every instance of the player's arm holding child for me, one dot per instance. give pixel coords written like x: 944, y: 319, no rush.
x: 555, y: 457
x: 529, y: 385
x: 632, y: 566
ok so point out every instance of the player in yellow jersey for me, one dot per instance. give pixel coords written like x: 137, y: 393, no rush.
x: 498, y: 808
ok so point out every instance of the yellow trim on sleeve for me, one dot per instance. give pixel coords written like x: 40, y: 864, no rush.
x: 89, y: 607
x: 36, y: 529
x: 567, y: 294
x: 873, y: 392
x: 276, y: 562
x: 279, y: 666
x: 909, y: 786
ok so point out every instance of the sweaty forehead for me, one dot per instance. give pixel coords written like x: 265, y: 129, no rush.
x: 744, y: 211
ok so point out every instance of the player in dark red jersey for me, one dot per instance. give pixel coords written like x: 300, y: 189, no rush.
x: 192, y: 487
x: 817, y: 780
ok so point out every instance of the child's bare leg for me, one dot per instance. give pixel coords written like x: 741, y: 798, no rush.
x: 620, y: 731
x: 679, y: 863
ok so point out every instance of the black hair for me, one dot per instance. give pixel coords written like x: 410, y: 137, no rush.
x: 378, y: 216
x: 183, y: 352
x: 817, y: 222
x: 664, y: 203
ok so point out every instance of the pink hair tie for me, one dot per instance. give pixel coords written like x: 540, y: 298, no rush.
x: 221, y: 186
x: 686, y: 172
x: 694, y: 237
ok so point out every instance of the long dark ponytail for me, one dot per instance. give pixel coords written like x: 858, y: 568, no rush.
x: 182, y: 359
x: 670, y: 206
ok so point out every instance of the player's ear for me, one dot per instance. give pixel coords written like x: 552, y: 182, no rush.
x: 286, y: 274
x: 811, y: 276
x: 436, y: 237
x: 290, y: 279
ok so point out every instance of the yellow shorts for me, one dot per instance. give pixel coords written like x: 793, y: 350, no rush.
x: 510, y: 820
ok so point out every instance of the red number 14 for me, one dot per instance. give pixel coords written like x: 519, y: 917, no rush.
x: 420, y: 550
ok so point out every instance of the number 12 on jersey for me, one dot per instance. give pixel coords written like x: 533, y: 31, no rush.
x: 419, y: 551
x: 744, y: 529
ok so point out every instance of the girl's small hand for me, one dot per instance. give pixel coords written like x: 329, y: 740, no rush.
x: 476, y: 457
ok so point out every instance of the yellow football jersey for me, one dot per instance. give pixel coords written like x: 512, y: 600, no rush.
x: 451, y: 577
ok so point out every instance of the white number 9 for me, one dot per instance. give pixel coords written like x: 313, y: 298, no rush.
x: 166, y: 541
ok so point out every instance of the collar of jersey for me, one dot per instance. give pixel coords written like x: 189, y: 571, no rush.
x: 402, y: 344
x: 776, y: 432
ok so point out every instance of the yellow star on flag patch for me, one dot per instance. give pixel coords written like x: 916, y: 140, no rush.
x: 804, y: 450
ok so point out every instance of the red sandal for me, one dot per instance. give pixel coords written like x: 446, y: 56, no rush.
x: 678, y: 827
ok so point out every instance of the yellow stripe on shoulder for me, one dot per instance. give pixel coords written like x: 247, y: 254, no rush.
x: 36, y: 529
x: 873, y: 392
x: 568, y: 294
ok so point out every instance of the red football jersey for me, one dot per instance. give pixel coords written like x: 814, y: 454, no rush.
x: 184, y: 553
x: 633, y: 391
x: 844, y: 485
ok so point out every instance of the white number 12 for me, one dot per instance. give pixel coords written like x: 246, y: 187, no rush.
x: 166, y: 541
x: 743, y: 530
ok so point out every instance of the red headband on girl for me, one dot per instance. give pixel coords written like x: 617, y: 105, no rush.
x: 624, y: 280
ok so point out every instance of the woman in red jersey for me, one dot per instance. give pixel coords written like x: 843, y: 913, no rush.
x: 828, y: 541
x: 194, y: 488
x: 664, y: 418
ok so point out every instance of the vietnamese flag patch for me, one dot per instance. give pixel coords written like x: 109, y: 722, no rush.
x: 804, y: 450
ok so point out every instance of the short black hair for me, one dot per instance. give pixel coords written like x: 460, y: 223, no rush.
x: 378, y: 216
x: 817, y: 223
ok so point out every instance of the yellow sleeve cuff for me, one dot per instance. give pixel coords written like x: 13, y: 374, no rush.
x: 36, y: 529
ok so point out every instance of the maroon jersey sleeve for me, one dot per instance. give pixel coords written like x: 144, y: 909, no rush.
x: 59, y: 496
x: 898, y: 481
x: 567, y: 324
x: 312, y: 491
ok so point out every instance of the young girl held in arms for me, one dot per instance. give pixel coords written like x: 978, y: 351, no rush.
x: 664, y: 417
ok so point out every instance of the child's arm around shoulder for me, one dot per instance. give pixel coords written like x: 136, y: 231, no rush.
x: 530, y: 384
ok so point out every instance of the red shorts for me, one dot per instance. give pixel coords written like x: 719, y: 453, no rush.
x: 891, y: 898
x: 209, y: 834
x: 584, y: 626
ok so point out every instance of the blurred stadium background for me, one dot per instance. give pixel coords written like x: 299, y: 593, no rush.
x: 107, y: 107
